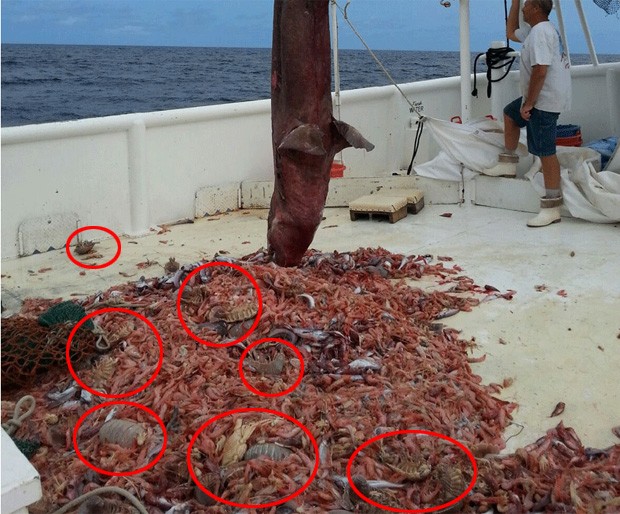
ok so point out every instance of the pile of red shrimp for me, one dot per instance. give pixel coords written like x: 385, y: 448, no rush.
x: 359, y: 351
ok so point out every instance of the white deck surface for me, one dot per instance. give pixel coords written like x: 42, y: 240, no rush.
x: 556, y: 348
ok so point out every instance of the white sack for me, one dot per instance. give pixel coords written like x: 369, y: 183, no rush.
x: 469, y: 148
x: 444, y: 167
x: 588, y: 194
x: 475, y: 144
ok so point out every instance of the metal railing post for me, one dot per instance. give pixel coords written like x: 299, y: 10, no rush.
x: 138, y: 182
x: 586, y: 32
x: 465, y: 60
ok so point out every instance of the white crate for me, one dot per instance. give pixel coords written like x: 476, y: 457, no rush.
x: 21, y: 484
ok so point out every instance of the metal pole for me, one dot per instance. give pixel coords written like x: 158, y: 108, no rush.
x: 334, y: 13
x: 586, y: 32
x: 613, y: 87
x: 558, y: 10
x: 465, y: 60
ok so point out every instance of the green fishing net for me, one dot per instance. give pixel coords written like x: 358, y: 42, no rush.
x: 64, y: 312
x: 27, y: 446
x: 31, y: 347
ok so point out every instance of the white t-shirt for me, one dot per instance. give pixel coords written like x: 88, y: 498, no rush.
x: 542, y: 45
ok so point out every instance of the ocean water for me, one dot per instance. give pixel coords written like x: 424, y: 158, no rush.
x: 46, y: 83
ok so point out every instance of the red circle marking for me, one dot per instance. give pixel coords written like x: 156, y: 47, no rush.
x: 120, y: 473
x: 263, y: 341
x: 93, y: 266
x: 421, y: 432
x: 126, y: 311
x: 259, y: 298
x: 251, y: 505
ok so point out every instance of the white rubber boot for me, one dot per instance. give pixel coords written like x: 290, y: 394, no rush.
x: 549, y: 213
x: 506, y: 166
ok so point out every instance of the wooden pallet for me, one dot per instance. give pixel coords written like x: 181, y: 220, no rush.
x: 415, y: 198
x: 393, y: 208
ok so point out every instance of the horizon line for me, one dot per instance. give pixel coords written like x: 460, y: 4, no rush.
x: 247, y: 47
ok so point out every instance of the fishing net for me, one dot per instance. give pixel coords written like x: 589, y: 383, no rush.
x: 27, y: 446
x: 29, y: 349
x: 609, y: 6
x: 64, y: 312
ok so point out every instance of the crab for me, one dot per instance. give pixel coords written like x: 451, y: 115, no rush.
x: 415, y: 468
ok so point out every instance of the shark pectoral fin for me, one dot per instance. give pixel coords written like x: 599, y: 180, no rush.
x: 306, y: 138
x: 352, y: 136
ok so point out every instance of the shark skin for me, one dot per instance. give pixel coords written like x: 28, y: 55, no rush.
x: 305, y: 134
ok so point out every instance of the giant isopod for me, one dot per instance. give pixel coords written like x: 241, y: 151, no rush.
x: 239, y: 313
x: 452, y: 480
x: 123, y: 432
x: 268, y: 367
x: 274, y: 451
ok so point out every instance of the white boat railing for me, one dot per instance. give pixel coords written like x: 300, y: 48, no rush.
x: 134, y: 171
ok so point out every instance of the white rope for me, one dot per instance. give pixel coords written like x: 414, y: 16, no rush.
x: 27, y: 404
x: 377, y: 60
x: 102, y: 490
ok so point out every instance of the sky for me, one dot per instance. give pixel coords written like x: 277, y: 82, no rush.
x: 384, y: 24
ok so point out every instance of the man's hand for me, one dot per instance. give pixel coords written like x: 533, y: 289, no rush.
x: 526, y: 110
x: 539, y: 73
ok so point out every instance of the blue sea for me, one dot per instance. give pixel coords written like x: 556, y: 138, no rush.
x: 45, y: 83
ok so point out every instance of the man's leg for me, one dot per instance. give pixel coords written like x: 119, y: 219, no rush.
x: 512, y: 131
x: 551, y: 174
x: 550, y: 204
x: 507, y: 160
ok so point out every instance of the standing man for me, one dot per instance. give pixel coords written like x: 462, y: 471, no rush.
x: 546, y: 92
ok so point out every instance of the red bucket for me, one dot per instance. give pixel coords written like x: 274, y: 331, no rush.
x: 337, y: 170
x: 570, y: 140
x: 568, y: 135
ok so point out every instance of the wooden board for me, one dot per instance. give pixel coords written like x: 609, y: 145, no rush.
x: 393, y: 208
x: 415, y: 198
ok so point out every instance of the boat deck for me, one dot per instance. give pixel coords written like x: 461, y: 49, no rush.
x: 558, y: 338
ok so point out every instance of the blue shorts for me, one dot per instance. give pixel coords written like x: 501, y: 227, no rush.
x: 541, y: 128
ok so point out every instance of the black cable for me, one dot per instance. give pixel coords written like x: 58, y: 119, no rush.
x: 506, y: 19
x: 496, y: 58
x: 416, y: 143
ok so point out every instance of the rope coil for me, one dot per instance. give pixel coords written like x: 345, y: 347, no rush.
x: 26, y: 403
x: 496, y: 59
x: 103, y: 506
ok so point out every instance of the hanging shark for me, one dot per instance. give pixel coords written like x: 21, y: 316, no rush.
x: 305, y: 134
